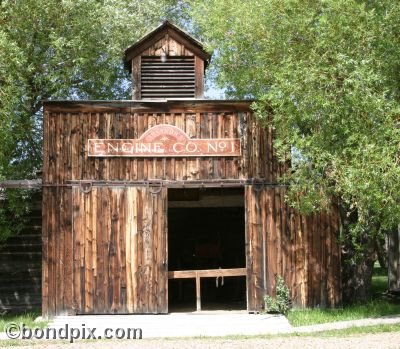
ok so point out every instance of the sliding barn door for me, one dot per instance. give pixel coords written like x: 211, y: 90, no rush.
x: 120, y: 250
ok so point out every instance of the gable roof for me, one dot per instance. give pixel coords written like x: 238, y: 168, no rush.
x: 176, y: 33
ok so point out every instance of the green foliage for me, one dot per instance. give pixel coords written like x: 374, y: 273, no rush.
x: 281, y: 303
x: 345, y: 332
x: 326, y: 76
x: 372, y: 309
x: 61, y: 50
x: 376, y: 307
x: 14, y: 212
x: 67, y: 49
x: 27, y: 318
x: 355, y: 330
x: 380, y: 282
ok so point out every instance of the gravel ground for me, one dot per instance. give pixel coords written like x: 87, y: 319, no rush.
x: 367, y: 341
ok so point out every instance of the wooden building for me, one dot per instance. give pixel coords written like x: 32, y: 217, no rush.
x: 171, y: 202
x: 21, y: 256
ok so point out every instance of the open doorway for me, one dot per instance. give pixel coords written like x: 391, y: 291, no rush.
x: 206, y: 231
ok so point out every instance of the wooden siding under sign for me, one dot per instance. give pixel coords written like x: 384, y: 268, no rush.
x: 164, y: 141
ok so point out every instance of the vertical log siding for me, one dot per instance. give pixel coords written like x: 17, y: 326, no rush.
x: 104, y: 250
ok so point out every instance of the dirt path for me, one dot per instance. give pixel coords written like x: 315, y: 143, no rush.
x: 367, y: 341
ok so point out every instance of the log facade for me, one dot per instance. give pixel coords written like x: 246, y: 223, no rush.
x: 21, y: 262
x: 106, y: 219
x: 97, y: 211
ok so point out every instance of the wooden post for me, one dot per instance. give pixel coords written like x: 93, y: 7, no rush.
x: 394, y: 260
x: 198, y: 293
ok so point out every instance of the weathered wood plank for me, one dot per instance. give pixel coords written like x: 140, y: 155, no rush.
x: 180, y: 164
x: 198, y: 292
x: 191, y: 274
x: 101, y: 198
x: 136, y: 86
x: 170, y: 162
x: 45, y: 253
x: 130, y: 254
x: 52, y: 253
x: 107, y: 217
x: 191, y: 163
x: 161, y: 276
x: 336, y: 261
x: 303, y: 277
x: 87, y: 252
x: 298, y: 256
x: 199, y: 69
x: 59, y: 246
x: 170, y: 106
x: 140, y: 282
x: 134, y: 228
x: 122, y: 250
x: 77, y: 223
x: 271, y: 254
x: 254, y: 241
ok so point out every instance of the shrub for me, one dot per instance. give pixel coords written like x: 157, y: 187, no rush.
x: 282, y: 302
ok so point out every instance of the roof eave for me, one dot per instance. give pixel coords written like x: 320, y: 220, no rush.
x: 138, y: 47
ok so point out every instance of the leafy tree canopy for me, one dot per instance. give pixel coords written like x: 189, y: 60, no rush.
x: 326, y: 75
x: 60, y: 49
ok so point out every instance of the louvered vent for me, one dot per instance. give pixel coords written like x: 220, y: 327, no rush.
x: 174, y: 78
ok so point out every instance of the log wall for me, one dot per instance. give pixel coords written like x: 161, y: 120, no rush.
x: 304, y: 250
x: 68, y: 127
x: 78, y: 250
x: 21, y: 264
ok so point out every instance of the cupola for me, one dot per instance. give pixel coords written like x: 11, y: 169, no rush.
x: 167, y: 63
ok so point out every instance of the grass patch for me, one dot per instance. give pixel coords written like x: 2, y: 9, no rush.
x: 351, y: 331
x: 379, y: 285
x: 346, y: 332
x: 379, y: 280
x: 27, y: 319
x: 372, y: 309
x: 30, y: 343
x: 17, y: 343
x: 378, y: 306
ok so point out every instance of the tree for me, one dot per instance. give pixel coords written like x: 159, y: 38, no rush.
x: 62, y: 50
x: 55, y: 49
x: 326, y: 76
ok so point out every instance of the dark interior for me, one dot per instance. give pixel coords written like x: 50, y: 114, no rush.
x: 206, y: 230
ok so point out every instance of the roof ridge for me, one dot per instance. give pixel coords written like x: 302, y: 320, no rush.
x: 130, y: 52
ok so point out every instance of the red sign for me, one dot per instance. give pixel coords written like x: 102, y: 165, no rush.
x: 164, y: 141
